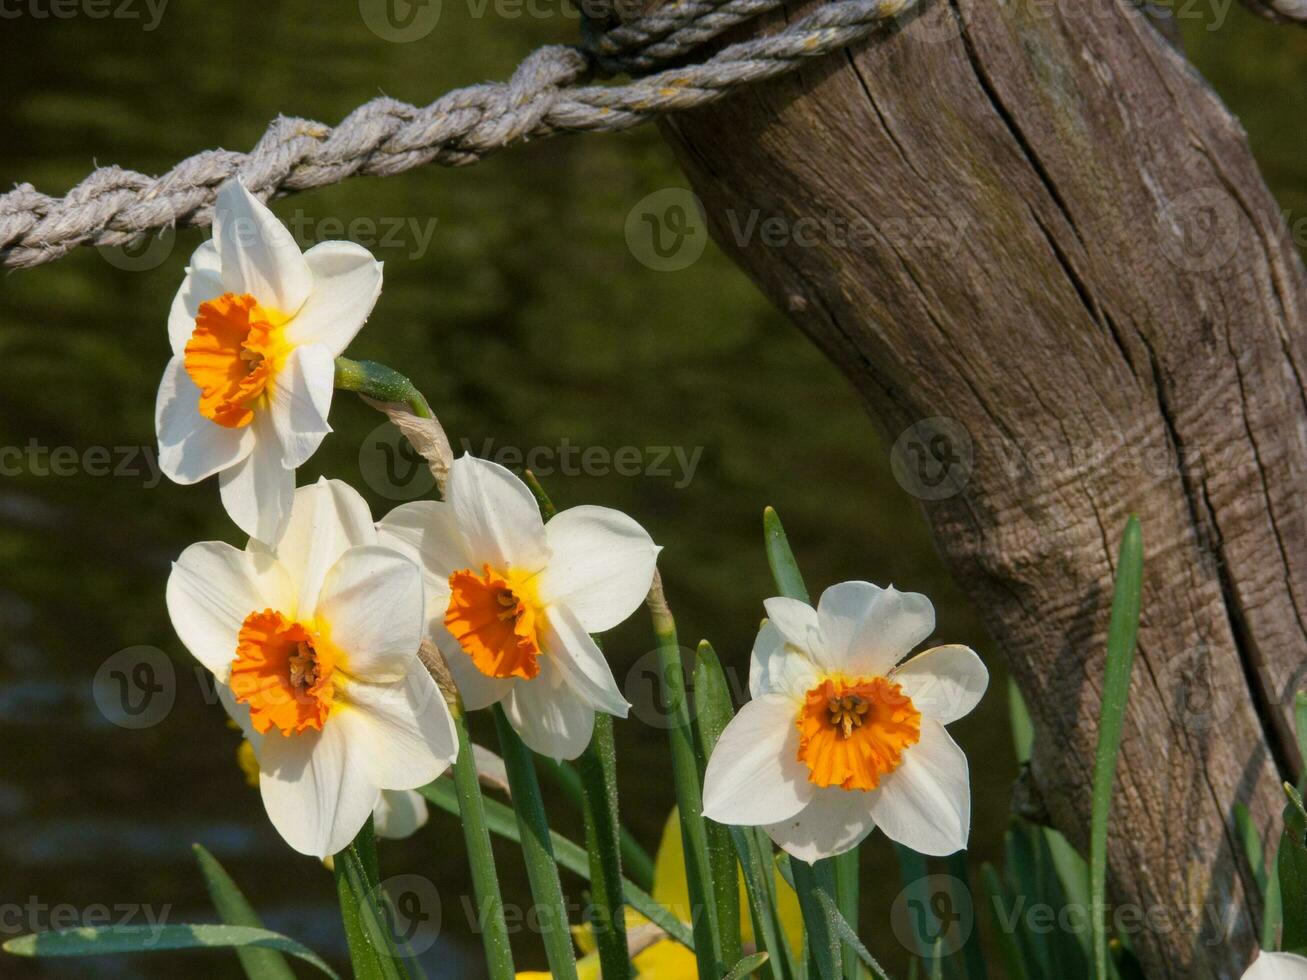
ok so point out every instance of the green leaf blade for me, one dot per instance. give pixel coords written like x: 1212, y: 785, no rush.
x: 784, y: 569
x: 1292, y: 873
x: 689, y: 791
x: 1122, y: 633
x: 235, y: 910
x: 111, y: 940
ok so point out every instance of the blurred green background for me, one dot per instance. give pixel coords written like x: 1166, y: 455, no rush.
x: 513, y: 300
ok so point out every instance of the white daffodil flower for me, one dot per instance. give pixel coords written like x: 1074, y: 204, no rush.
x: 314, y: 645
x: 1277, y: 966
x: 513, y: 600
x: 840, y: 737
x: 255, y: 331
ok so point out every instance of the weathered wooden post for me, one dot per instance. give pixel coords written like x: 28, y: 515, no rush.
x: 1117, y: 325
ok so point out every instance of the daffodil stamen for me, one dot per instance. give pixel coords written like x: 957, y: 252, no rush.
x: 510, y: 605
x: 847, y: 713
x: 853, y: 731
x: 303, y: 666
x: 233, y: 355
x: 284, y: 671
x: 496, y: 620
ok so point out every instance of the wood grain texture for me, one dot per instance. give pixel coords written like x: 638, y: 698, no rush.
x: 1036, y: 220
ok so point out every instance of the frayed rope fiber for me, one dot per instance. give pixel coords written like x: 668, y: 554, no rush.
x: 547, y: 94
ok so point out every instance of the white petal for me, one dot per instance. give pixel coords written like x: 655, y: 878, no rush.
x: 403, y: 729
x: 373, y: 607
x: 837, y: 820
x: 326, y: 520
x: 258, y: 490
x: 1277, y: 966
x: 346, y: 284
x: 317, y: 787
x: 925, y: 803
x: 755, y: 776
x: 945, y: 683
x: 797, y: 622
x: 212, y: 588
x: 259, y: 254
x: 842, y: 609
x: 499, y: 518
x: 895, y: 623
x: 203, y: 282
x: 427, y: 531
x: 601, y: 568
x: 775, y: 667
x: 192, y: 447
x: 551, y: 719
x: 475, y: 688
x: 399, y: 813
x: 239, y: 712
x: 301, y: 399
x: 582, y: 663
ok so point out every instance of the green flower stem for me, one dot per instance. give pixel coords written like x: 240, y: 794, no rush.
x: 712, y: 698
x: 381, y: 383
x: 481, y: 858
x: 689, y: 795
x: 502, y: 822
x: 811, y: 881
x: 372, y: 950
x: 636, y: 861
x: 598, y: 768
x: 537, y: 850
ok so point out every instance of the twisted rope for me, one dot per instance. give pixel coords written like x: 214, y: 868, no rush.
x: 669, y: 32
x: 544, y: 96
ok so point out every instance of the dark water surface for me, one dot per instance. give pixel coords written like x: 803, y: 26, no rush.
x: 512, y: 299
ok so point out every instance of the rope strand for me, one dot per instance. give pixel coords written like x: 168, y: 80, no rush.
x: 544, y: 96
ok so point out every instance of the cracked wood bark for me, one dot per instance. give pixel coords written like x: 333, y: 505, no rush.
x: 1116, y: 321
